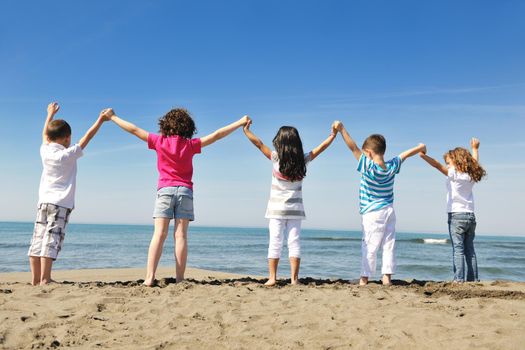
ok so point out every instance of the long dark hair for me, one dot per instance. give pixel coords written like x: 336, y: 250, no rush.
x: 289, y: 149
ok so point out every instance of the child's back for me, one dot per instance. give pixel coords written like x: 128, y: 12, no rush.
x: 56, y: 194
x: 376, y: 189
x: 58, y: 181
x: 460, y: 197
x: 286, y: 197
x: 462, y: 171
x: 175, y: 147
x: 285, y: 208
x: 376, y: 199
x: 174, y: 159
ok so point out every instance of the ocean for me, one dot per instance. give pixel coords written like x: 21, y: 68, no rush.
x: 325, y: 253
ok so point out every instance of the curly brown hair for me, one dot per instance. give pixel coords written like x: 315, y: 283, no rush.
x: 177, y: 122
x: 465, y: 163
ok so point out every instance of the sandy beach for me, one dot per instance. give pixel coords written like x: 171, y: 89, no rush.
x: 212, y: 310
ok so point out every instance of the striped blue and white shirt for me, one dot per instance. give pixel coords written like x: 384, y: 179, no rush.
x: 377, y: 184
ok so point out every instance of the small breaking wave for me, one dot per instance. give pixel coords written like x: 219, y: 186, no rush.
x: 431, y: 240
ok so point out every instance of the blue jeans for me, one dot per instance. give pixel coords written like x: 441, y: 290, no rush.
x: 462, y: 227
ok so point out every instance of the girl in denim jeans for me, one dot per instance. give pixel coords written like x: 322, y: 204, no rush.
x: 462, y: 171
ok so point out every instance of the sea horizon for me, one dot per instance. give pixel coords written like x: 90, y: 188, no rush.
x: 444, y: 232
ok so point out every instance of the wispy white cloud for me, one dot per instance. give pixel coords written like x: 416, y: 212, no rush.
x: 431, y: 91
x: 505, y: 166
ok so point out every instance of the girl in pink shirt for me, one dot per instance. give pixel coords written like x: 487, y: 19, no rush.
x: 175, y: 149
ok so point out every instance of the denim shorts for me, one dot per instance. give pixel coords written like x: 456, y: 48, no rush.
x: 174, y: 203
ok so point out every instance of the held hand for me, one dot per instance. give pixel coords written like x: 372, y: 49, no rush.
x: 422, y: 155
x: 423, y: 148
x: 106, y: 114
x: 52, y: 108
x: 246, y: 127
x: 244, y: 120
x: 474, y: 143
x: 335, y: 126
x: 339, y: 125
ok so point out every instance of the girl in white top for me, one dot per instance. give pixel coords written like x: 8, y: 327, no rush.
x: 285, y: 207
x: 462, y: 171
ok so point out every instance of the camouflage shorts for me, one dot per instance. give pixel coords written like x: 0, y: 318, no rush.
x: 49, y: 232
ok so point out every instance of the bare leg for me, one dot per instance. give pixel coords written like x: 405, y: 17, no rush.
x: 46, y: 265
x: 294, y: 269
x: 387, y: 279
x: 34, y: 263
x: 155, y: 248
x: 363, y: 281
x: 272, y: 267
x: 181, y: 247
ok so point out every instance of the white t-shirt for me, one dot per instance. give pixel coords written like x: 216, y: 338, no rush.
x: 286, y: 197
x: 460, y: 198
x: 58, y: 181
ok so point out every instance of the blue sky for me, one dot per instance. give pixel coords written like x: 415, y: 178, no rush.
x: 415, y: 71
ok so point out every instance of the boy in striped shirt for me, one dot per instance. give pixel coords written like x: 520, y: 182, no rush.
x: 376, y: 199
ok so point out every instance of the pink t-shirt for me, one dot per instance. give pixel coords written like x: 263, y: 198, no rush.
x: 174, y: 159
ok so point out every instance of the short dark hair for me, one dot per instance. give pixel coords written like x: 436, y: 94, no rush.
x: 58, y: 129
x: 177, y: 122
x: 375, y: 143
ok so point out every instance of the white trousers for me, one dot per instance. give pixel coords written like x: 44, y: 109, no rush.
x: 278, y: 228
x: 379, y: 230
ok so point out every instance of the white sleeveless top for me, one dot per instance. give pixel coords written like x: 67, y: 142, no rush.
x: 286, y: 197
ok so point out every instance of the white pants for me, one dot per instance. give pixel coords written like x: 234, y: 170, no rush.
x: 278, y: 227
x: 379, y: 230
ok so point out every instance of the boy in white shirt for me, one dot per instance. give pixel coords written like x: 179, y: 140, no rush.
x: 56, y: 193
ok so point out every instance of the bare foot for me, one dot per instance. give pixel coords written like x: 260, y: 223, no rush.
x: 387, y: 280
x: 46, y: 282
x: 363, y: 281
x: 270, y: 283
x: 149, y: 283
x: 178, y: 280
x: 295, y: 282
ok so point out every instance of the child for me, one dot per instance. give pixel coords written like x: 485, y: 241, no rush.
x: 285, y: 207
x: 462, y: 171
x: 376, y: 199
x: 175, y: 149
x: 56, y: 194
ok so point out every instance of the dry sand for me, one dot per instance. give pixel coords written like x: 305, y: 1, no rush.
x: 89, y: 309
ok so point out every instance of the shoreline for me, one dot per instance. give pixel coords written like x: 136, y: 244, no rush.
x: 113, y: 274
x: 109, y: 308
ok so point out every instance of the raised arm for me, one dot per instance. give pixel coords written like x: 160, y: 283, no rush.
x: 102, y: 117
x: 257, y: 141
x: 52, y: 109
x: 223, y: 132
x: 474, y: 143
x: 129, y: 127
x: 434, y: 163
x: 324, y: 145
x: 413, y: 151
x: 356, y: 151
